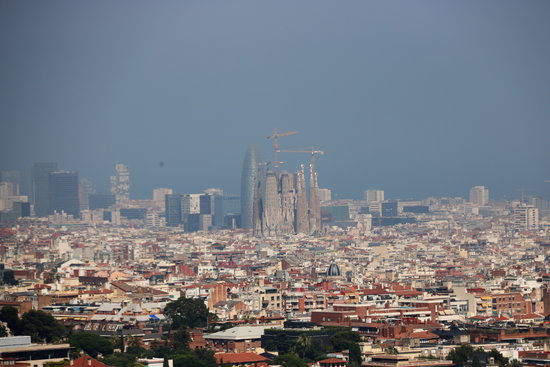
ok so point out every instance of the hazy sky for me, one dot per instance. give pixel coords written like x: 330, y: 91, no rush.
x: 420, y: 98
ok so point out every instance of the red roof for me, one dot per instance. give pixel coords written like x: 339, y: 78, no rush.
x: 87, y: 361
x: 332, y: 361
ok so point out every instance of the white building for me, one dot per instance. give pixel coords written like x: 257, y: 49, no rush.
x: 191, y: 204
x: 324, y: 195
x: 159, y: 196
x: 526, y: 216
x: 479, y: 195
x: 374, y: 196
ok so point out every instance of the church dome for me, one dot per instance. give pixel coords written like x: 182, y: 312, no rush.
x: 333, y: 270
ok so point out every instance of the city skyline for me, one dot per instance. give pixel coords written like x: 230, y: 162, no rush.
x: 421, y: 100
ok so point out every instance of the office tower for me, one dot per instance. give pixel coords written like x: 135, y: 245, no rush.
x: 226, y: 206
x: 192, y: 223
x: 191, y: 204
x: 526, y: 217
x: 173, y: 209
x: 14, y: 177
x: 159, y: 196
x: 249, y: 180
x: 85, y: 189
x: 374, y: 196
x: 101, y: 201
x: 63, y: 187
x: 375, y: 208
x: 205, y: 222
x: 6, y: 189
x: 120, y: 185
x: 324, y: 195
x: 206, y: 204
x: 389, y: 209
x: 22, y: 209
x: 40, y: 187
x: 479, y: 195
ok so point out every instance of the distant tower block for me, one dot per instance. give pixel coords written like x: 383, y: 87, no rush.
x: 324, y: 195
x: 479, y: 195
x: 374, y: 196
x: 120, y: 185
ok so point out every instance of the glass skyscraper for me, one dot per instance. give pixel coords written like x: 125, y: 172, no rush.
x: 40, y: 187
x: 249, y: 179
x: 64, y: 193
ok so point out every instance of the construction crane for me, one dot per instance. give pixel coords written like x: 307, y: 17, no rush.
x: 312, y: 151
x: 275, y: 136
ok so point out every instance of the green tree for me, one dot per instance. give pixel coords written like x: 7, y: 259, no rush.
x: 10, y: 316
x: 121, y: 360
x: 355, y: 358
x: 290, y: 360
x: 187, y: 312
x: 302, y: 345
x: 188, y: 360
x: 91, y: 343
x: 41, y: 326
x: 499, y: 358
x: 461, y: 354
x: 343, y: 340
x: 207, y: 356
x: 134, y: 347
x: 514, y: 363
x: 180, y: 340
x: 391, y: 350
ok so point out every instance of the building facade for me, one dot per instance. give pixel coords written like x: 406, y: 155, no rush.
x: 63, y: 187
x: 40, y: 187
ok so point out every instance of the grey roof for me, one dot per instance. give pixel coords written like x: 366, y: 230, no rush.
x: 239, y: 333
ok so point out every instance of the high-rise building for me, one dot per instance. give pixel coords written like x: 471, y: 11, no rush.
x: 249, y: 180
x: 526, y: 217
x: 120, y: 185
x: 159, y: 196
x: 226, y: 206
x: 191, y: 204
x: 479, y: 195
x: 206, y: 204
x: 389, y: 209
x: 101, y: 201
x: 324, y: 195
x: 85, y: 189
x: 173, y: 210
x: 374, y: 196
x: 40, y: 187
x: 15, y: 178
x: 63, y: 187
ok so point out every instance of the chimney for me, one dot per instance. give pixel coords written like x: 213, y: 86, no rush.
x: 89, y: 361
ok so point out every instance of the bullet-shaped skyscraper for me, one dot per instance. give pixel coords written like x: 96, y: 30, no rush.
x: 249, y: 180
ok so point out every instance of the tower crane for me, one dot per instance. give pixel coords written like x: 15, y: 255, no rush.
x: 275, y: 136
x: 312, y: 151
